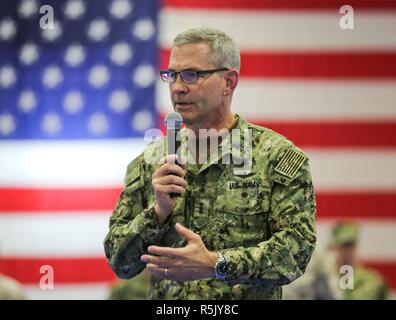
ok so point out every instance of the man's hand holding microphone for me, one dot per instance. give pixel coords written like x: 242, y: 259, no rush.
x: 168, y: 180
x: 194, y: 261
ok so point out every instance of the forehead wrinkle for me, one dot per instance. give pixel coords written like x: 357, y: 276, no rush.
x: 190, y: 56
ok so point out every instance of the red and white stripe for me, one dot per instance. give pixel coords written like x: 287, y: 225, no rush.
x: 331, y: 91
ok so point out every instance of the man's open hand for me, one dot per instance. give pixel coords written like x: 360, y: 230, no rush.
x: 192, y: 262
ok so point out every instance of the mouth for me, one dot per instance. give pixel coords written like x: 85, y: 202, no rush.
x: 182, y: 105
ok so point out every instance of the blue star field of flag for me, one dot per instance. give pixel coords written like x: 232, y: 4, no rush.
x: 92, y: 76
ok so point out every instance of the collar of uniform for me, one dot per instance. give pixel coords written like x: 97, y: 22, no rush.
x: 237, y: 149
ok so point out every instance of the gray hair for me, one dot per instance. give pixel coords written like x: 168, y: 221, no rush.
x: 225, y: 52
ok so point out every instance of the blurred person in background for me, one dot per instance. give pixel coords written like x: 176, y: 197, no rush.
x: 368, y: 284
x: 10, y: 289
x: 320, y: 280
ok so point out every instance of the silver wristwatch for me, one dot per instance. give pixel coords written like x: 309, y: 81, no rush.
x: 220, y: 268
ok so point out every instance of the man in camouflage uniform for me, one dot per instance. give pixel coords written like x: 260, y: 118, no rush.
x: 241, y: 228
x: 368, y: 284
x: 320, y: 280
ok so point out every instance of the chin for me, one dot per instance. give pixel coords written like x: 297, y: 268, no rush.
x: 186, y: 114
x: 187, y: 119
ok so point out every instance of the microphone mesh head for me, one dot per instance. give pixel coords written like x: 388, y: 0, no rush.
x: 173, y: 120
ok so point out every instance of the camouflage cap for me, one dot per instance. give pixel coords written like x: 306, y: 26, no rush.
x: 345, y: 232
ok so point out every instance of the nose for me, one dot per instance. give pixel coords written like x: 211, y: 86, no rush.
x: 179, y: 87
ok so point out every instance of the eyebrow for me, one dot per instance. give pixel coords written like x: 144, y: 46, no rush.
x: 185, y: 69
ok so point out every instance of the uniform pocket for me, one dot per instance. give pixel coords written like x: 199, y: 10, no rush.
x: 133, y: 179
x: 244, y: 201
x: 242, y: 213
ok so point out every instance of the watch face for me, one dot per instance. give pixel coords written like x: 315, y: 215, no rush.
x: 222, y: 268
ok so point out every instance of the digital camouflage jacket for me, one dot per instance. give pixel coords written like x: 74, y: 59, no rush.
x: 258, y: 208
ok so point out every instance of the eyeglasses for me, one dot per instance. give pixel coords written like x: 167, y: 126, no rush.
x: 188, y: 76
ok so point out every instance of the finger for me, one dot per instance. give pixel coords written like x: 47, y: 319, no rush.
x: 157, y: 271
x: 172, y: 158
x: 170, y: 179
x: 182, y: 161
x: 170, y: 168
x: 186, y: 233
x: 170, y: 188
x: 159, y: 261
x: 172, y: 253
x: 168, y: 159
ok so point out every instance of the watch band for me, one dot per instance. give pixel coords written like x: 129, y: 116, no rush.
x: 220, y: 268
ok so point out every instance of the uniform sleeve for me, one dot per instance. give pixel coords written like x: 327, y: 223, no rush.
x: 133, y: 225
x: 285, y: 256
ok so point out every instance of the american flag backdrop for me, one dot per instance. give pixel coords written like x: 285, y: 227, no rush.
x: 76, y: 100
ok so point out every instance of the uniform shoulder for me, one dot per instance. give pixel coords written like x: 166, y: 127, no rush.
x: 370, y: 274
x: 273, y: 143
x: 372, y: 281
x: 284, y: 157
x: 151, y: 154
x: 269, y: 136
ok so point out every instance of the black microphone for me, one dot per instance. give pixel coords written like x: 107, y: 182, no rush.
x: 173, y: 123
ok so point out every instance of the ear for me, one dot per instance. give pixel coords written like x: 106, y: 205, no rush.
x: 231, y: 77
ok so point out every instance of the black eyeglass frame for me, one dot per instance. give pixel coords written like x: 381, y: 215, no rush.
x: 197, y: 72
